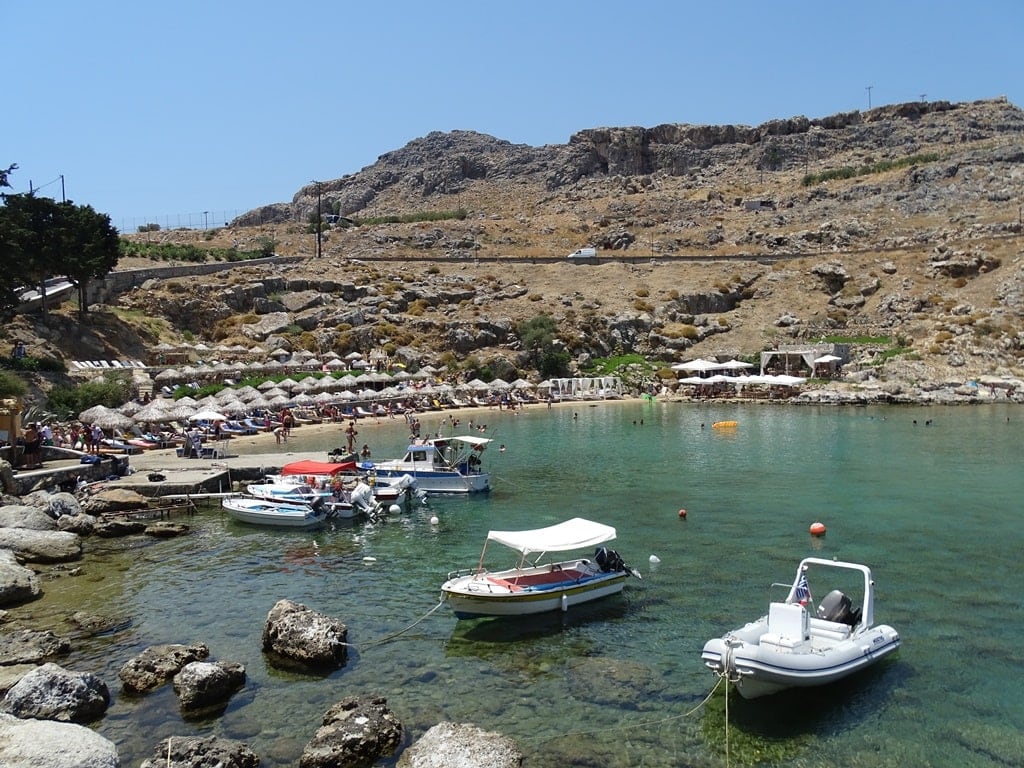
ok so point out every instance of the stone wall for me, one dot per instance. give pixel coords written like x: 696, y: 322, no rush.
x: 116, y: 283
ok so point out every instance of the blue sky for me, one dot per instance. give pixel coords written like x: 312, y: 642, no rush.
x: 161, y: 111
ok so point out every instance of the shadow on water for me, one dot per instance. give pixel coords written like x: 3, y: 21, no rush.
x: 782, y: 725
x: 494, y: 637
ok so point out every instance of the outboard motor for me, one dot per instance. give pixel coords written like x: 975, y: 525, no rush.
x: 608, y: 560
x: 837, y: 607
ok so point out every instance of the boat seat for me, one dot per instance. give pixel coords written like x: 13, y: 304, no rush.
x: 789, y: 621
x: 831, y: 630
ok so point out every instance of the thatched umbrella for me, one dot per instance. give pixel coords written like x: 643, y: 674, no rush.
x: 152, y: 413
x: 106, y: 418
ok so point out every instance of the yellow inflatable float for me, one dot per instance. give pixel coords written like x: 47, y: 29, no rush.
x: 724, y: 424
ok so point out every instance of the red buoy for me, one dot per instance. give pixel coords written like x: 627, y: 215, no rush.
x: 682, y: 514
x: 817, y: 529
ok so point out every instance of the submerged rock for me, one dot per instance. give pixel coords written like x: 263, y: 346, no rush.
x: 296, y: 633
x: 158, y: 664
x: 356, y: 732
x: 28, y: 646
x: 203, y: 685
x: 188, y: 752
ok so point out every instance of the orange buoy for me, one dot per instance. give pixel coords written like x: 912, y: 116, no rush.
x: 817, y: 529
x: 682, y: 514
x: 724, y: 424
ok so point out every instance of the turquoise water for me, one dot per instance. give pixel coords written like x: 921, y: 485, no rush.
x: 932, y: 508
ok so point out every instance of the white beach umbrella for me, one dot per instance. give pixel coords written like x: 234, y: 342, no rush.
x: 207, y: 415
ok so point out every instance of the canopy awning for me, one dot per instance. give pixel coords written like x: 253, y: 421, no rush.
x: 576, y: 533
x: 310, y: 467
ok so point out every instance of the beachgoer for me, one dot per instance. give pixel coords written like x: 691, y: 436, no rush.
x: 33, y: 444
x: 97, y: 438
x: 350, y: 434
x: 365, y: 453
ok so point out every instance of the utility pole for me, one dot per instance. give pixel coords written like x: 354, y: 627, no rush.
x: 206, y: 220
x: 63, y: 198
x: 868, y: 89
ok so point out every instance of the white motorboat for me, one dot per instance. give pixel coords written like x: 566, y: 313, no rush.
x: 346, y: 503
x: 322, y: 477
x: 797, y: 646
x: 532, y: 587
x: 273, y: 513
x: 439, y: 465
x: 299, y: 493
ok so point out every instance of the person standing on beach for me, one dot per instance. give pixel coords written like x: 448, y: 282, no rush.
x: 97, y: 438
x: 350, y: 434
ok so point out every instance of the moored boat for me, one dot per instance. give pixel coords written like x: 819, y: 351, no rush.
x: 273, y: 513
x: 535, y: 587
x: 796, y: 645
x: 439, y: 465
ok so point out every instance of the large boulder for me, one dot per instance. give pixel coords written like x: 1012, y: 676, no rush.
x: 453, y: 745
x: 295, y: 633
x: 190, y: 752
x: 158, y: 664
x: 356, y: 732
x: 23, y: 516
x: 41, y: 546
x: 18, y: 584
x: 49, y: 744
x: 114, y: 527
x: 51, y: 692
x: 114, y: 500
x: 61, y: 504
x: 203, y: 685
x: 82, y: 524
x: 29, y: 646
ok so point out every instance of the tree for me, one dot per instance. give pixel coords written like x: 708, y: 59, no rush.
x: 539, y: 337
x: 91, y: 248
x: 5, y: 172
x: 30, y: 236
x: 40, y: 239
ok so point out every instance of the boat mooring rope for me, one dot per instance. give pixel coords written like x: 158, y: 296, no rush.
x: 393, y: 635
x: 630, y: 726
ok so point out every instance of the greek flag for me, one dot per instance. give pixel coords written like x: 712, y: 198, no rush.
x: 803, y: 591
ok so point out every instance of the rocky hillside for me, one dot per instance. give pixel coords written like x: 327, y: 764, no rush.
x: 902, y: 222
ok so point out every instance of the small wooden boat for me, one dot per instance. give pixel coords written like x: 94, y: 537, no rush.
x: 531, y: 588
x: 796, y: 646
x: 273, y: 513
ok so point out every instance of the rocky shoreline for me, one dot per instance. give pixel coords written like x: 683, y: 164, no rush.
x: 46, y: 709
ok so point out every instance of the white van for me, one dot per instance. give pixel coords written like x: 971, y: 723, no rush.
x: 583, y: 253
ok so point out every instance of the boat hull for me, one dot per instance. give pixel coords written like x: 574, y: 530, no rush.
x: 274, y: 514
x: 437, y: 482
x: 760, y: 669
x: 524, y: 592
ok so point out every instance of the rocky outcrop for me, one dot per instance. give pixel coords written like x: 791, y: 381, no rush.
x: 27, y: 646
x: 295, y: 633
x: 49, y: 744
x: 31, y: 518
x: 202, y: 686
x: 112, y: 528
x: 51, y: 692
x: 356, y: 732
x: 191, y: 752
x: 455, y: 745
x: 158, y: 664
x: 41, y: 546
x: 17, y: 583
x: 114, y: 500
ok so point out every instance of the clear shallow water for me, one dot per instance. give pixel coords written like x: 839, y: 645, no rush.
x: 934, y: 509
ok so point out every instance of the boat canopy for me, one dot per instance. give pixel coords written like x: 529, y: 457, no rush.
x: 572, y: 534
x: 311, y: 467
